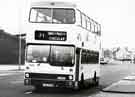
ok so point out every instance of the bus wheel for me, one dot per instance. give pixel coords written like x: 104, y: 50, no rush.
x: 76, y: 86
x: 82, y: 82
x: 95, y: 80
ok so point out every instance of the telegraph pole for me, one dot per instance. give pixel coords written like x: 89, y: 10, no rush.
x: 19, y: 30
x: 19, y: 67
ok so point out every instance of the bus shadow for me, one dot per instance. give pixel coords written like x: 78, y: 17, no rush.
x: 67, y: 92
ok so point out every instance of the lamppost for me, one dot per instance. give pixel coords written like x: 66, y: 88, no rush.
x: 19, y: 67
x: 19, y: 30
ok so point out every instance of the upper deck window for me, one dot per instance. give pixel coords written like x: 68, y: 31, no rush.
x: 52, y: 15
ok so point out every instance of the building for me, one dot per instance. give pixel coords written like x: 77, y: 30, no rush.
x: 123, y: 54
x: 9, y: 48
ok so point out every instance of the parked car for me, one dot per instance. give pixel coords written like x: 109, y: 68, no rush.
x: 104, y: 61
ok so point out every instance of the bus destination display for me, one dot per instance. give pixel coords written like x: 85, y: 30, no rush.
x: 50, y: 35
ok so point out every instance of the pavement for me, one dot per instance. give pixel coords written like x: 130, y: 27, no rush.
x: 125, y: 85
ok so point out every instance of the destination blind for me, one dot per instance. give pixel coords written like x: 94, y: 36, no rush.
x: 51, y: 35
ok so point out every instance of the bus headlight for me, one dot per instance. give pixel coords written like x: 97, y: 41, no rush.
x: 70, y: 77
x: 27, y: 75
x: 61, y: 78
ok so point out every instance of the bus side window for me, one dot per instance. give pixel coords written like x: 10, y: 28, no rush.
x: 83, y: 21
x: 78, y: 51
x: 83, y: 57
x: 78, y: 18
x: 78, y: 56
x: 88, y: 24
x: 99, y: 29
x: 92, y: 27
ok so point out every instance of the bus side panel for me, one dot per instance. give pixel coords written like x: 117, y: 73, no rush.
x: 88, y: 72
x: 77, y: 65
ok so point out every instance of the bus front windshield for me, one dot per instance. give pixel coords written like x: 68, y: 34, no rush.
x: 53, y: 54
x: 52, y: 15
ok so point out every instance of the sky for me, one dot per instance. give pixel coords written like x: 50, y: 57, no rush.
x: 117, y: 18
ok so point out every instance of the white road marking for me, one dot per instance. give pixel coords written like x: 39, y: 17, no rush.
x: 28, y: 92
x: 112, y: 85
x: 17, y: 82
x: 5, y: 74
x: 2, y: 75
x: 126, y: 82
x: 132, y: 77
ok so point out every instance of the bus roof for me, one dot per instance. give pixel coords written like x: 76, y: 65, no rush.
x: 52, y: 4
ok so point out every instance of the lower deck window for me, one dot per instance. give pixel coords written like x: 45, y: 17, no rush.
x: 88, y: 57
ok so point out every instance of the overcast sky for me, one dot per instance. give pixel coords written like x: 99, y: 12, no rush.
x: 117, y: 18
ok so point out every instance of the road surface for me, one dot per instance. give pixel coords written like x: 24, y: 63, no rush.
x: 11, y: 84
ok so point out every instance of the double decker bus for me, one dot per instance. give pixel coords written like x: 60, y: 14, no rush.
x: 62, y: 46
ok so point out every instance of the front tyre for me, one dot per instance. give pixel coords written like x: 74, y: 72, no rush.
x: 79, y: 85
x: 76, y: 86
x: 95, y: 80
x: 82, y: 85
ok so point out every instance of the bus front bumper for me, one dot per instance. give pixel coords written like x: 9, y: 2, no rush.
x: 49, y: 83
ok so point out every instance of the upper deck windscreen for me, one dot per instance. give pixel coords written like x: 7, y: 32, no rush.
x: 52, y: 15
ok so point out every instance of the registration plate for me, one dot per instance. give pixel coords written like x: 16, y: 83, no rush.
x: 47, y: 85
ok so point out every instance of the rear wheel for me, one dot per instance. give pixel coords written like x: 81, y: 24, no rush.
x: 95, y: 80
